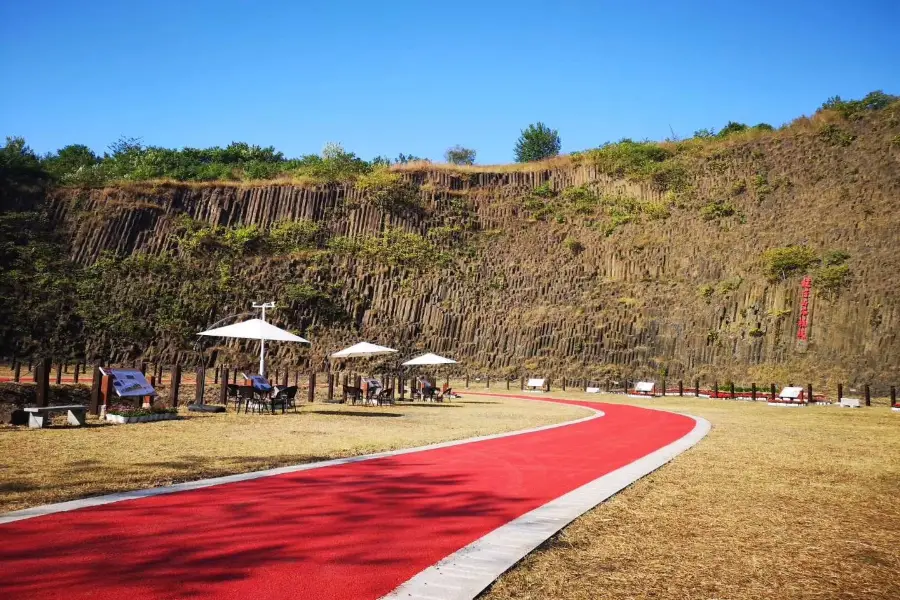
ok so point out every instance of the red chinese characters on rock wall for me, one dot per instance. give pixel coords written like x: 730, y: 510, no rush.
x: 803, y: 323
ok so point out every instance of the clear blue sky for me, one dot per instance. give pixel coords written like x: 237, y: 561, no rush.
x: 417, y: 77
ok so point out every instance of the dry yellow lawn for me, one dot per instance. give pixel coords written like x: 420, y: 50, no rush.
x: 773, y: 503
x: 53, y: 465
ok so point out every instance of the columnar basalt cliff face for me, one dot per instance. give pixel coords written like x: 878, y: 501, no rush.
x: 573, y: 271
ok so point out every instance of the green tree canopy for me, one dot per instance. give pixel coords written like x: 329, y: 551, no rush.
x: 69, y: 159
x: 458, y: 155
x: 537, y: 142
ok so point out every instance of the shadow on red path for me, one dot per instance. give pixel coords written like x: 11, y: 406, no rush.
x: 350, y: 531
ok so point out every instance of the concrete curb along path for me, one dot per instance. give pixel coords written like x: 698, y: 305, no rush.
x: 436, y: 522
x: 469, y: 571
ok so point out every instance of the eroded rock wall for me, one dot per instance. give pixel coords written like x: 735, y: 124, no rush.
x: 634, y: 301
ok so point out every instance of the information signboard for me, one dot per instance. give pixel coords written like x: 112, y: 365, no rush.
x: 129, y: 383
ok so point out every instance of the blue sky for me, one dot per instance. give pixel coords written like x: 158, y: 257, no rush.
x: 418, y: 77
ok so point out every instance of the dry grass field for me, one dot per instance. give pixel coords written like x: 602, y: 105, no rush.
x: 53, y: 465
x: 773, y: 503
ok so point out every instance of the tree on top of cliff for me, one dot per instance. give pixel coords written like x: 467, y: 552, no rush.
x: 458, y: 155
x: 537, y: 142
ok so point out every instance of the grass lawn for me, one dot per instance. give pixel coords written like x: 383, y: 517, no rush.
x: 53, y: 465
x: 773, y: 503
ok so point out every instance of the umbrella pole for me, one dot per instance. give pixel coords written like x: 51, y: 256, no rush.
x: 262, y: 358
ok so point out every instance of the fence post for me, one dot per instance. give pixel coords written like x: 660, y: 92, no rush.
x: 548, y: 384
x: 223, y: 390
x: 868, y: 396
x: 42, y: 379
x: 487, y: 382
x: 285, y: 378
x: 467, y: 381
x: 732, y: 390
x: 696, y: 388
x: 563, y: 384
x: 608, y: 386
x: 772, y: 390
x: 176, y: 383
x: 715, y: 389
x: 809, y: 392
x: 311, y: 396
x: 664, y: 388
x: 331, y: 386
x: 59, y: 372
x: 95, y: 391
x: 840, y: 392
x: 507, y: 382
x: 753, y: 391
x: 522, y: 382
x: 76, y: 372
x: 17, y: 371
x: 199, y: 385
x: 893, y: 396
x: 680, y: 388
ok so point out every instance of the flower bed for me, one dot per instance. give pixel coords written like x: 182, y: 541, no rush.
x: 128, y: 414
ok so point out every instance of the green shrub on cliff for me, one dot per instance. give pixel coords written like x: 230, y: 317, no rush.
x: 781, y: 263
x: 290, y: 236
x: 388, y: 191
x: 717, y: 209
x: 855, y: 109
x: 832, y: 279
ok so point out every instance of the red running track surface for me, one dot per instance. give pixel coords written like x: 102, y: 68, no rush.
x: 351, y: 531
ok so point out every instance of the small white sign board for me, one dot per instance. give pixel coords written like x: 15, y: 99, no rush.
x: 850, y: 402
x: 592, y: 390
x: 645, y: 386
x: 790, y: 393
x: 535, y: 383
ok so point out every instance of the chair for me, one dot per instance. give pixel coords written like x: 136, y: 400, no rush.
x: 353, y: 393
x: 245, y: 395
x: 232, y: 394
x: 428, y: 394
x: 385, y: 396
x: 285, y: 398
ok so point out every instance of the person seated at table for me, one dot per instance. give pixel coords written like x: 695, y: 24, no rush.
x: 373, y: 387
x: 427, y: 390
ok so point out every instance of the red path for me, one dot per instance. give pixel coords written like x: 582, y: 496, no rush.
x: 351, y: 531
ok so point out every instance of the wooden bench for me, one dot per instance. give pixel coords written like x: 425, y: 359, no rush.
x: 535, y: 385
x: 39, y: 416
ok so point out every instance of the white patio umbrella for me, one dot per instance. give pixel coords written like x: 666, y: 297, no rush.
x: 256, y: 329
x: 429, y: 359
x: 362, y: 349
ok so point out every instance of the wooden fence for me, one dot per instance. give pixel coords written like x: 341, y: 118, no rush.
x: 173, y: 377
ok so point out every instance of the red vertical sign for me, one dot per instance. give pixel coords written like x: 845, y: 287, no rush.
x: 803, y: 323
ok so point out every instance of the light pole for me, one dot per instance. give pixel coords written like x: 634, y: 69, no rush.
x: 262, y: 343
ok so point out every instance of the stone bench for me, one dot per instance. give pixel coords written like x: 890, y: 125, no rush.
x: 850, y: 402
x: 39, y: 416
